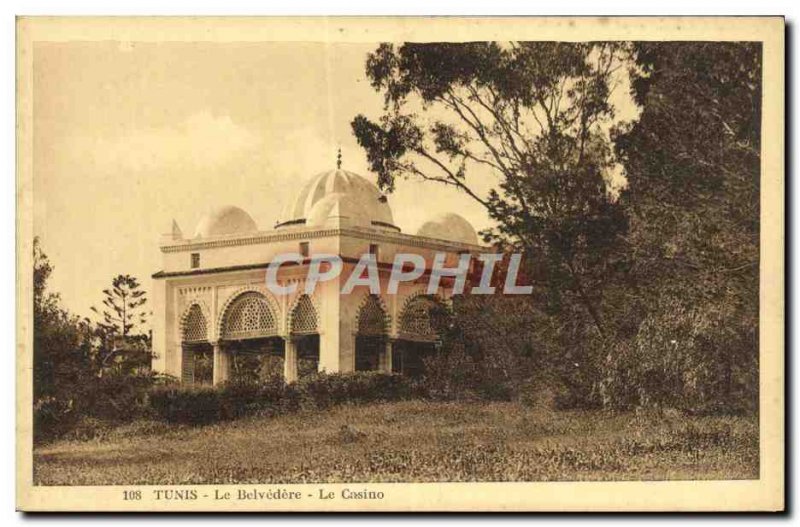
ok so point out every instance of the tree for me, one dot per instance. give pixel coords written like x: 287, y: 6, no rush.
x: 124, y: 312
x: 693, y: 164
x: 531, y: 116
x: 41, y: 273
x: 68, y: 363
x: 693, y: 159
x: 61, y: 342
x: 124, y: 306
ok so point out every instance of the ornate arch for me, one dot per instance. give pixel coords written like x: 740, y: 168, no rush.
x: 373, y: 317
x: 248, y: 313
x: 423, y: 317
x: 303, y: 316
x: 195, y: 322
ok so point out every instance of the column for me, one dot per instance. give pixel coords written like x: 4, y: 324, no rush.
x: 289, y: 360
x: 224, y: 363
x: 221, y: 364
x: 387, y: 357
x: 217, y: 372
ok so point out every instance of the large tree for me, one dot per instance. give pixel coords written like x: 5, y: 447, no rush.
x: 693, y: 160
x: 530, y: 117
x: 693, y: 165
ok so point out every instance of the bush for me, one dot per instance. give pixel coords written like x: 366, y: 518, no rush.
x: 52, y: 417
x: 689, y: 358
x: 324, y: 390
x: 458, y: 373
x: 186, y: 404
x: 119, y: 397
x: 88, y: 428
x: 247, y: 397
x: 112, y: 399
x: 450, y: 374
x: 203, y: 405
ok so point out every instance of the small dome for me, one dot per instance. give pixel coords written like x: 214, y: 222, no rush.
x: 449, y: 226
x: 339, y: 197
x: 225, y: 221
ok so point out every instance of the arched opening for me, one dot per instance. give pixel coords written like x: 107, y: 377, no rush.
x: 249, y: 337
x: 422, y: 322
x: 197, y: 354
x: 371, y: 336
x: 304, y: 331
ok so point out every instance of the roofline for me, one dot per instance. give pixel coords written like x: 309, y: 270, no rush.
x: 304, y: 234
x: 288, y: 223
x: 302, y: 221
x: 385, y: 266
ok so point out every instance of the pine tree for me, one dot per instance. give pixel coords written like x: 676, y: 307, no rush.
x: 123, y: 315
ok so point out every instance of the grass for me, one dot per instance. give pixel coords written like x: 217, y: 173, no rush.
x: 411, y: 441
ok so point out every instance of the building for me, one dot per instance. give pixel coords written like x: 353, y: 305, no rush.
x: 215, y: 319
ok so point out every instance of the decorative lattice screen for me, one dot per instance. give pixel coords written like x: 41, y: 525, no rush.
x: 187, y: 366
x: 249, y: 316
x: 423, y: 318
x: 372, y: 318
x: 304, y: 317
x: 194, y: 325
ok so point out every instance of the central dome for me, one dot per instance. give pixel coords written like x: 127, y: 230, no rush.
x: 338, y: 198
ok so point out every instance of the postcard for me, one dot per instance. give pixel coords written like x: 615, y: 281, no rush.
x: 400, y: 264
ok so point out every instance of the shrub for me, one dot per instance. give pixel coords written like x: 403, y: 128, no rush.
x: 693, y: 359
x: 87, y: 428
x: 329, y: 389
x: 248, y: 396
x: 186, y: 404
x: 52, y: 417
x: 119, y: 398
x: 203, y: 405
x: 450, y: 374
x: 112, y: 399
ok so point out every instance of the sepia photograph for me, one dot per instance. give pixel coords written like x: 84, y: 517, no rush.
x: 317, y: 264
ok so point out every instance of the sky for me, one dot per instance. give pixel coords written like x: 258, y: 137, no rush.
x: 129, y: 136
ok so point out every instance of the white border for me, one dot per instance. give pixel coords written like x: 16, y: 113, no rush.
x: 301, y: 7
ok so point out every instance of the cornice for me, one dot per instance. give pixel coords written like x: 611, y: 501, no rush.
x: 382, y: 266
x: 253, y: 239
x: 355, y: 232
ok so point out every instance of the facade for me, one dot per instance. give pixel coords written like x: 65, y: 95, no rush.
x: 215, y: 319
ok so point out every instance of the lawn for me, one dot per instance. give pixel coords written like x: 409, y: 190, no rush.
x: 411, y: 441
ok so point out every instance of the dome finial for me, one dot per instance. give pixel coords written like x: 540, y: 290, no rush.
x: 339, y: 159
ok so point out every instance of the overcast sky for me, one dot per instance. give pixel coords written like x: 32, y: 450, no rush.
x: 128, y: 136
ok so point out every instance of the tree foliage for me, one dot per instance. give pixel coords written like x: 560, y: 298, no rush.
x: 62, y: 357
x: 124, y: 306
x: 693, y: 161
x: 529, y: 117
x: 125, y: 347
x: 647, y: 299
x: 693, y: 167
x: 69, y: 359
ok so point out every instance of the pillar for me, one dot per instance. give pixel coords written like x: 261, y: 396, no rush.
x: 386, y: 359
x: 225, y: 363
x: 289, y: 360
x: 166, y: 339
x: 335, y: 353
x: 221, y: 364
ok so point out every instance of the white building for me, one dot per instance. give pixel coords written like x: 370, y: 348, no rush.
x: 214, y: 317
